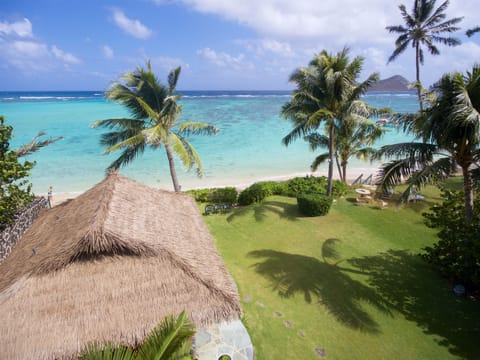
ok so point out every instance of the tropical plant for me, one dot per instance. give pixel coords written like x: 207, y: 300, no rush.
x: 15, y: 189
x: 451, y: 130
x: 169, y: 340
x: 355, y: 136
x: 155, y: 111
x: 423, y: 27
x: 325, y: 92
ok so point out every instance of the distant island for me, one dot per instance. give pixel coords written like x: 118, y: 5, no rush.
x: 394, y: 83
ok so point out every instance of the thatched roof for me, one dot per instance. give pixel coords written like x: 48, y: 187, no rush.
x: 109, y: 265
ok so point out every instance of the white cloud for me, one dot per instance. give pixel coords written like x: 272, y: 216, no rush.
x: 64, y: 56
x: 225, y: 60
x: 107, y: 52
x: 22, y: 29
x: 168, y: 63
x: 262, y: 47
x: 131, y: 26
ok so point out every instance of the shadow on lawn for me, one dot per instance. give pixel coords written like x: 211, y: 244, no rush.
x: 282, y: 209
x: 412, y: 288
x: 322, y: 282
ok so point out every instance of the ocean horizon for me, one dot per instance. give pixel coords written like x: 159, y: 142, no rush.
x: 247, y: 148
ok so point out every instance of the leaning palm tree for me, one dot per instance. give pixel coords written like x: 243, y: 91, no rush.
x: 451, y: 128
x: 325, y: 89
x: 154, y: 122
x: 354, y: 138
x: 169, y: 340
x: 423, y: 27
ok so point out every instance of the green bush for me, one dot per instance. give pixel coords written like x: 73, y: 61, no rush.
x: 457, y: 254
x: 254, y: 193
x: 15, y: 189
x: 306, y: 185
x: 314, y: 204
x: 339, y: 188
x: 226, y: 195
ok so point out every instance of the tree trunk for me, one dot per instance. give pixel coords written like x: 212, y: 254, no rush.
x: 344, y: 171
x: 330, y: 158
x: 417, y: 63
x: 171, y: 163
x: 338, y: 167
x: 468, y: 189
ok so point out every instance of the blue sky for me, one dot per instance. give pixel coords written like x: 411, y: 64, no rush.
x: 220, y: 44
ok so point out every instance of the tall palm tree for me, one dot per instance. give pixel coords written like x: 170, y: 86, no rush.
x: 325, y: 90
x: 451, y: 127
x: 353, y: 138
x: 423, y: 27
x: 155, y: 111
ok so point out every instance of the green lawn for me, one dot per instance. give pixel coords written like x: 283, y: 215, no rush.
x: 348, y: 285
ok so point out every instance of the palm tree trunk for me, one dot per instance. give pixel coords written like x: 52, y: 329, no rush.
x: 338, y: 167
x: 417, y: 63
x: 330, y: 158
x: 173, y: 172
x: 468, y: 190
x: 344, y: 171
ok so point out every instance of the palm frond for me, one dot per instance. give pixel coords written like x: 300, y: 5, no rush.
x: 167, y: 338
x: 35, y: 144
x: 196, y: 128
x: 316, y: 141
x: 421, y: 153
x: 320, y: 159
x: 107, y: 351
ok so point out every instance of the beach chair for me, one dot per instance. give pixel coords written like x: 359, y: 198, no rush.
x: 358, y: 180
x: 368, y: 180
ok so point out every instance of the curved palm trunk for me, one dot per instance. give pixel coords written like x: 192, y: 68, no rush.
x: 417, y: 63
x: 171, y: 164
x: 468, y: 190
x: 339, y: 168
x: 330, y: 158
x: 344, y: 171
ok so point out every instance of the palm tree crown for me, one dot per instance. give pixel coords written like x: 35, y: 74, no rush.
x: 325, y: 92
x: 154, y: 122
x: 423, y: 27
x: 451, y: 130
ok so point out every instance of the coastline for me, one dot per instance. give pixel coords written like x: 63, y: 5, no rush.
x: 239, y: 184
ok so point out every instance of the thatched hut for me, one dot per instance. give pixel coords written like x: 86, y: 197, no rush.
x: 108, y: 266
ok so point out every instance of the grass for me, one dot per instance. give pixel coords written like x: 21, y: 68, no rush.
x: 349, y: 285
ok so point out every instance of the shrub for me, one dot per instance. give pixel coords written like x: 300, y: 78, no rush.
x: 457, y: 254
x: 306, y: 185
x: 15, y: 189
x: 200, y: 195
x: 314, y: 204
x: 254, y: 193
x: 339, y: 188
x: 226, y: 195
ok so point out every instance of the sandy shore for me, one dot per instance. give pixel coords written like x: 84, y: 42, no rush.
x: 240, y: 184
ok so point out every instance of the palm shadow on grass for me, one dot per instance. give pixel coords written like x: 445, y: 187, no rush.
x: 260, y: 211
x: 323, y: 282
x: 407, y: 283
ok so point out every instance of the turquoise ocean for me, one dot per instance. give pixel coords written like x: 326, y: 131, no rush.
x: 247, y: 148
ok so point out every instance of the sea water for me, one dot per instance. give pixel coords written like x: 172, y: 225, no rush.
x: 247, y: 147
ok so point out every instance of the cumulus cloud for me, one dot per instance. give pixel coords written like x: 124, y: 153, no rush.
x: 224, y: 60
x: 262, y: 47
x: 131, y: 26
x: 20, y: 49
x: 64, y: 56
x: 22, y: 28
x: 107, y: 52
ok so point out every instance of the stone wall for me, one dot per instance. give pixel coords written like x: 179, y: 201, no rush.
x: 23, y: 219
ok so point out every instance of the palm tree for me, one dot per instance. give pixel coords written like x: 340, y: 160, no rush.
x: 451, y: 127
x: 353, y: 138
x: 325, y: 90
x: 155, y: 112
x: 423, y: 27
x: 169, y: 340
